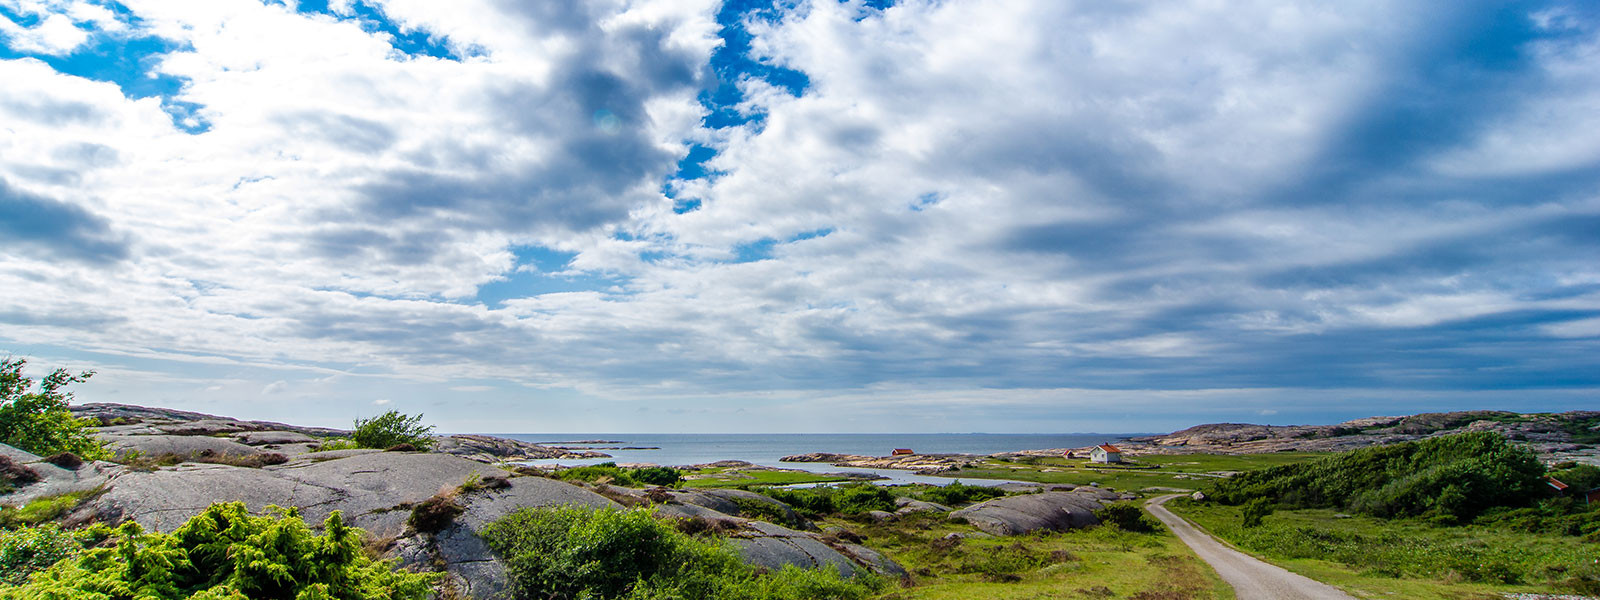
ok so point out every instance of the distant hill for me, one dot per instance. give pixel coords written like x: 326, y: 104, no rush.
x: 1569, y: 433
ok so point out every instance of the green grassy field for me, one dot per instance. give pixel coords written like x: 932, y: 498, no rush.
x: 1377, y: 558
x: 1185, y: 471
x: 716, y: 477
x: 1101, y: 562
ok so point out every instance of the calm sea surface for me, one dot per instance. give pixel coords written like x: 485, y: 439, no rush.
x: 766, y: 449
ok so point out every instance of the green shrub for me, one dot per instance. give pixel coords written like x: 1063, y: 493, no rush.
x: 337, y: 444
x: 662, y: 476
x: 599, y: 554
x: 1257, y: 509
x: 1451, y: 477
x: 852, y: 499
x: 392, y: 429
x: 39, y: 422
x: 30, y: 549
x: 226, y: 552
x: 1127, y: 517
x: 606, y: 472
x: 957, y: 493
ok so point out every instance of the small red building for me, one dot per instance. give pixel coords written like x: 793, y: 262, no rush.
x: 901, y: 452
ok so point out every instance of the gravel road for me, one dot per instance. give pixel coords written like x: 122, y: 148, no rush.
x: 1251, y: 579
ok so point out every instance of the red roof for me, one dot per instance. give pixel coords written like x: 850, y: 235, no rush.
x: 1110, y: 448
x: 903, y: 451
x: 1555, y: 483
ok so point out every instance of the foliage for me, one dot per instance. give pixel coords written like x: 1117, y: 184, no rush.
x: 1579, y: 478
x: 1257, y: 509
x: 26, y: 550
x: 957, y: 493
x: 609, y: 472
x: 13, y: 473
x: 771, y: 512
x: 39, y: 422
x: 391, y: 429
x: 1127, y: 517
x: 435, y: 513
x: 1388, y: 548
x: 1449, y: 478
x: 337, y: 444
x: 662, y: 476
x: 41, y: 510
x: 572, y: 552
x: 226, y: 552
x: 852, y: 499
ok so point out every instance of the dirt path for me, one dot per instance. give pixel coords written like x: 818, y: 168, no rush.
x: 1251, y: 579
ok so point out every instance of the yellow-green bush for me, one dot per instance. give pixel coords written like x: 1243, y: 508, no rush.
x: 227, y: 552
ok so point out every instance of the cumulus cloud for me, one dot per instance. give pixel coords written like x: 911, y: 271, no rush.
x: 1004, y: 201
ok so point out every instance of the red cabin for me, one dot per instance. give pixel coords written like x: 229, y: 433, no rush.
x: 901, y: 452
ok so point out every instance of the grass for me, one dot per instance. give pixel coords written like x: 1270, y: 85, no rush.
x: 1378, y: 558
x: 716, y: 477
x: 44, y: 509
x: 1102, y: 562
x: 1187, y: 471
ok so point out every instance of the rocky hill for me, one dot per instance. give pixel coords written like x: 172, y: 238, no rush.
x: 1548, y: 433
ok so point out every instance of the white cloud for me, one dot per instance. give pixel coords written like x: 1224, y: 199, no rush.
x: 1027, y: 198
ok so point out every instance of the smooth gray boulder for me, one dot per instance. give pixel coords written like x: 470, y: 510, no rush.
x: 367, y: 487
x: 181, y: 445
x: 773, y: 546
x: 908, y: 506
x: 1017, y: 515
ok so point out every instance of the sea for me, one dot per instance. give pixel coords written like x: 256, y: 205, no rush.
x: 766, y: 448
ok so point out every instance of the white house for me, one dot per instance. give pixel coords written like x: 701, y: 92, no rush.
x: 1105, y: 453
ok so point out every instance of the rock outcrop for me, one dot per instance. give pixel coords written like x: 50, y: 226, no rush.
x: 1556, y: 433
x: 1017, y: 515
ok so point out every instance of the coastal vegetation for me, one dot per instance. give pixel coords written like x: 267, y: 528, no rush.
x: 39, y: 421
x: 224, y: 552
x: 571, y: 553
x: 1442, y: 517
x: 950, y: 560
x: 1189, y: 471
x: 392, y: 429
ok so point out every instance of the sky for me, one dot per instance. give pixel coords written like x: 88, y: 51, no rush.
x: 804, y: 216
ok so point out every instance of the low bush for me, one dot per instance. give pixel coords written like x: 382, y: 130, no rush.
x: 607, y: 472
x: 337, y: 444
x: 226, y: 552
x: 1451, y: 478
x: 13, y: 473
x: 392, y: 429
x: 852, y: 499
x: 1127, y: 517
x: 30, y: 549
x: 957, y: 493
x: 65, y: 460
x: 659, y: 476
x: 599, y: 554
x: 435, y: 513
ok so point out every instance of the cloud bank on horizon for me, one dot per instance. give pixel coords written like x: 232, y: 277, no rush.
x: 805, y: 216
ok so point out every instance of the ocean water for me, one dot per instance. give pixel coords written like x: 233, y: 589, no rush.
x: 766, y: 449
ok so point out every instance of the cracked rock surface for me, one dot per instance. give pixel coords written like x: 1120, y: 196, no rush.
x: 1017, y: 515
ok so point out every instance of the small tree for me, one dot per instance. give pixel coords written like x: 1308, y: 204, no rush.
x: 392, y: 429
x: 39, y: 422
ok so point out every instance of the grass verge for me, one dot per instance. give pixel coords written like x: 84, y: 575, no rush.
x: 1378, y: 558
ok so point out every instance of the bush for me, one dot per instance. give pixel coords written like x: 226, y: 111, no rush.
x: 30, y: 549
x: 570, y: 553
x: 1451, y: 477
x: 434, y: 514
x: 957, y: 493
x: 392, y: 429
x: 226, y: 552
x: 65, y: 460
x: 852, y: 499
x: 39, y: 422
x: 1127, y: 517
x: 15, y: 473
x: 662, y: 476
x: 1255, y: 510
x: 606, y: 472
